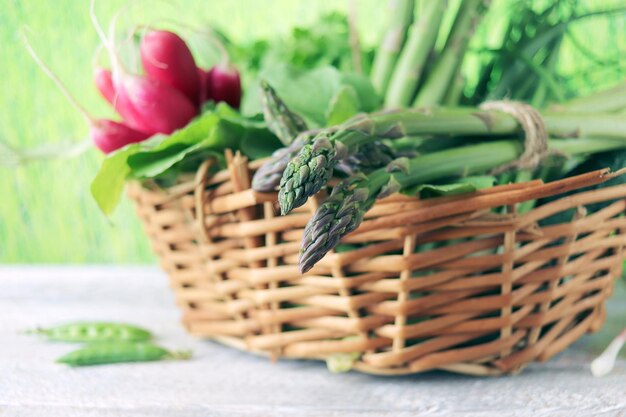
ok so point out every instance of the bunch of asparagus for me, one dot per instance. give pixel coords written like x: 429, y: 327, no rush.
x: 419, y: 60
x: 309, y: 159
x: 407, y: 70
x: 369, y: 151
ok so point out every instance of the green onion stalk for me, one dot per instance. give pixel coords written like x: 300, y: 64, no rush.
x: 312, y: 167
x: 344, y: 209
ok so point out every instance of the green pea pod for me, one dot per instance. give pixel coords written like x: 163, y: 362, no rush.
x: 95, y: 332
x: 119, y: 352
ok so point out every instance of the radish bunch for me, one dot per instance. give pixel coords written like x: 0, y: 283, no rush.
x: 165, y: 98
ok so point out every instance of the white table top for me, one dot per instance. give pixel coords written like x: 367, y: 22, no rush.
x: 220, y: 381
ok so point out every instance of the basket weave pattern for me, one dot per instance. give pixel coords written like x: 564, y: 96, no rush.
x: 460, y: 283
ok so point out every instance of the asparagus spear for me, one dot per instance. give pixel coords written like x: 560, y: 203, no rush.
x: 290, y: 128
x: 367, y: 157
x: 400, y: 14
x: 443, y: 73
x: 454, y: 94
x: 343, y: 211
x: 610, y: 100
x: 370, y: 156
x: 340, y: 214
x: 422, y: 37
x: 281, y: 121
x: 313, y: 166
x: 309, y: 171
x: 268, y: 176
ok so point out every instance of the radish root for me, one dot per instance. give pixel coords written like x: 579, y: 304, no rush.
x: 44, y: 67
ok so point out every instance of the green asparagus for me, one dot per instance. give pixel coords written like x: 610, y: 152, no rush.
x: 369, y: 156
x: 340, y: 214
x: 343, y: 211
x: 281, y: 121
x: 267, y: 177
x: 309, y: 171
x: 421, y: 40
x: 400, y: 16
x: 445, y: 69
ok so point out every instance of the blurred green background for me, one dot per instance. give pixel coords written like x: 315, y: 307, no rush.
x: 46, y: 212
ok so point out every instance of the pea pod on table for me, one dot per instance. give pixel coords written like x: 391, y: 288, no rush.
x: 87, y: 332
x: 119, y: 352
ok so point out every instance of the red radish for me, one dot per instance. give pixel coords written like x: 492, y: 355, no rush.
x: 104, y: 82
x: 151, y: 106
x: 106, y: 134
x: 109, y: 135
x: 167, y: 58
x: 145, y: 95
x: 225, y: 84
x: 145, y: 104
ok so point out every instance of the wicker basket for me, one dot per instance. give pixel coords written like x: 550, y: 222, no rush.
x: 457, y: 283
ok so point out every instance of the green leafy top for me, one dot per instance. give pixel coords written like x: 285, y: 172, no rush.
x: 310, y: 92
x: 324, y: 43
x: 166, y: 156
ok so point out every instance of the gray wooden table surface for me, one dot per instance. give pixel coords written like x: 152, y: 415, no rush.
x: 222, y: 382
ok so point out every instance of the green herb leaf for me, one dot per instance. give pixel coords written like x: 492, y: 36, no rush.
x: 343, y: 106
x: 305, y: 92
x: 257, y: 147
x: 157, y: 156
x: 310, y: 92
x: 255, y: 139
x: 323, y: 42
x: 152, y: 163
x: 106, y: 187
x: 222, y: 128
x: 461, y: 186
x: 197, y: 130
x: 369, y: 100
x: 212, y: 131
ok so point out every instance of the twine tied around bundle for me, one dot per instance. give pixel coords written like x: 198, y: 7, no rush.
x: 535, y: 134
